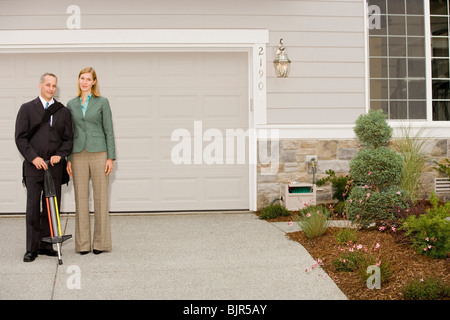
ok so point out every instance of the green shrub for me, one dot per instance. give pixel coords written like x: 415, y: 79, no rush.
x: 372, y: 129
x: 345, y: 235
x: 377, y: 171
x: 377, y: 167
x: 274, y: 211
x: 365, y: 206
x: 430, y: 232
x: 313, y: 220
x: 428, y: 289
x: 341, y: 185
x: 339, y: 209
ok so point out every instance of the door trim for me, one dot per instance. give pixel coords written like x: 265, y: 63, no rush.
x: 252, y: 41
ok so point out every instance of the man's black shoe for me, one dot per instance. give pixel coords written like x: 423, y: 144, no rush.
x: 48, y: 252
x: 29, y: 256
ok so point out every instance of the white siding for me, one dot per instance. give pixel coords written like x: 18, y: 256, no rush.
x: 324, y: 39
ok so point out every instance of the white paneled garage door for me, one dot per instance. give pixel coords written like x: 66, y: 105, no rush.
x: 151, y: 95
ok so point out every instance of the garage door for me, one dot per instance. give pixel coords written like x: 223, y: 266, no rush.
x: 154, y: 96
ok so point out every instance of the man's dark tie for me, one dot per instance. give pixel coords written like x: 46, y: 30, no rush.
x: 49, y: 119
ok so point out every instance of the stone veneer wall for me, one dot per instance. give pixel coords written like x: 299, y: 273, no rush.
x: 336, y: 155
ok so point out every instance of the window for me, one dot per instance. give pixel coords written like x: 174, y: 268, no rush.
x: 439, y: 25
x: 398, y: 59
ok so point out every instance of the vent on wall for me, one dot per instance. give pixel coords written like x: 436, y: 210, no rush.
x: 441, y: 185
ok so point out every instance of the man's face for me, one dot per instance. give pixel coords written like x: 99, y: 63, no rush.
x: 48, y: 87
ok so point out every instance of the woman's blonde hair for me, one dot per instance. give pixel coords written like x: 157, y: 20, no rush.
x: 95, y: 91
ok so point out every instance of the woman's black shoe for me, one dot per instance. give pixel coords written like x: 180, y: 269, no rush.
x: 97, y: 251
x: 84, y: 252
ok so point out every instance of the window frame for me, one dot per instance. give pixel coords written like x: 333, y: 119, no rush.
x: 428, y: 74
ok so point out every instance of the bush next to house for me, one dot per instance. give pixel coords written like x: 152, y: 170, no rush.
x: 367, y: 205
x: 372, y: 130
x: 340, y: 185
x: 378, y: 168
x: 430, y: 232
x: 376, y: 171
x: 274, y: 211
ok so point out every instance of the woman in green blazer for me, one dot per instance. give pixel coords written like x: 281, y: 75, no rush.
x: 92, y: 158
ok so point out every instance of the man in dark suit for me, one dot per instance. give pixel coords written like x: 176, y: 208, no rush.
x: 52, y: 141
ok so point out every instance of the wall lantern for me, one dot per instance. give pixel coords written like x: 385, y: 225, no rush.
x: 282, y: 64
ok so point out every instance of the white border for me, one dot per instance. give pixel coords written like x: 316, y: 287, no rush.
x: 366, y: 55
x: 137, y: 40
x: 345, y: 131
x: 428, y: 59
x: 128, y: 38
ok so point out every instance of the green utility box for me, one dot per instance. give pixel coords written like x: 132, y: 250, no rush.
x: 297, y: 195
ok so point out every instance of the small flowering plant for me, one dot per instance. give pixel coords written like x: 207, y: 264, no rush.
x: 356, y: 257
x: 351, y: 257
x: 317, y: 263
x: 377, y: 260
x: 313, y: 220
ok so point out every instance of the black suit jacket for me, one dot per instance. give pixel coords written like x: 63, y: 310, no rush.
x: 47, y: 141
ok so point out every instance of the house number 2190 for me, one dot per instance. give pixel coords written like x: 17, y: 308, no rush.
x: 261, y: 71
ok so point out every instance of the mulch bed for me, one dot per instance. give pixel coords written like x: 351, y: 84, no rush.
x: 405, y: 263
